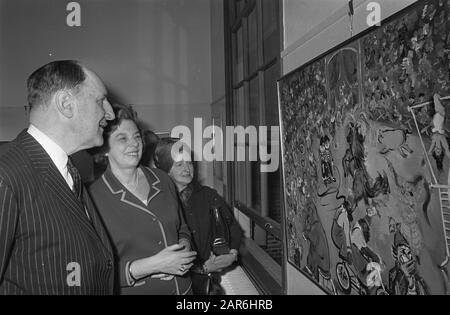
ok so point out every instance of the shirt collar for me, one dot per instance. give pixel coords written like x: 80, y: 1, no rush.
x: 56, y: 153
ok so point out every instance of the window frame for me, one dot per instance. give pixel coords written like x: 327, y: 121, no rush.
x: 269, y: 281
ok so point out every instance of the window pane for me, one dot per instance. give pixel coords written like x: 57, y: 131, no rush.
x: 239, y: 106
x: 252, y: 42
x: 254, y: 106
x: 240, y: 4
x: 238, y: 56
x: 268, y: 242
x: 271, y: 75
x: 256, y: 185
x: 254, y: 109
x: 218, y: 166
x: 240, y: 181
x: 271, y: 34
x: 274, y: 183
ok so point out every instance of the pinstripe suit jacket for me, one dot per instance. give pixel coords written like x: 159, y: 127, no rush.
x: 47, y: 243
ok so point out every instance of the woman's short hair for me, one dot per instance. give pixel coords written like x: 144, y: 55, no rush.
x: 150, y: 140
x: 163, y: 154
x: 122, y: 112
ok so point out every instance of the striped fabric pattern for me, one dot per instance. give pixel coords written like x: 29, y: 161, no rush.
x: 47, y: 243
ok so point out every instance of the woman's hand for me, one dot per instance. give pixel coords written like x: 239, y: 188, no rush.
x: 224, y: 261
x: 210, y: 265
x: 175, y: 260
x: 217, y: 263
x: 172, y: 260
x: 186, y: 244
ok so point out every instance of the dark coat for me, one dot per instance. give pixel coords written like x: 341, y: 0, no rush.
x: 197, y: 213
x: 44, y: 230
x: 139, y: 231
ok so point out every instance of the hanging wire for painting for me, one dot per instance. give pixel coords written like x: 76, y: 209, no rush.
x: 350, y: 15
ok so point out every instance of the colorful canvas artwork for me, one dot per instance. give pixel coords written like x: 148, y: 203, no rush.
x: 366, y: 159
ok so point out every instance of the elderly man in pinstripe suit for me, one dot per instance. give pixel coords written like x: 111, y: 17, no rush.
x: 51, y: 238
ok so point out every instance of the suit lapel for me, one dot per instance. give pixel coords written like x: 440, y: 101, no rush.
x: 43, y: 164
x: 96, y: 221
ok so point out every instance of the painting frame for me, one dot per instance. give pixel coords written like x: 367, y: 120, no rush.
x: 325, y: 57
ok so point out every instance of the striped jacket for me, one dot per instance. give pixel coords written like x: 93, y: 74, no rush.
x: 48, y: 245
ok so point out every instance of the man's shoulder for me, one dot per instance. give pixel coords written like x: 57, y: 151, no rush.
x: 12, y: 157
x: 7, y: 148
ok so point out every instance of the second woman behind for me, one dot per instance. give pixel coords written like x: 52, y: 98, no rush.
x: 140, y: 210
x: 197, y: 201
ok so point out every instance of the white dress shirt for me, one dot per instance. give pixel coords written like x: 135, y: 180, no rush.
x: 56, y: 153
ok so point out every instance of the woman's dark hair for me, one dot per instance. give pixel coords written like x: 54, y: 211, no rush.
x: 150, y: 140
x: 439, y: 159
x: 163, y: 154
x: 122, y: 112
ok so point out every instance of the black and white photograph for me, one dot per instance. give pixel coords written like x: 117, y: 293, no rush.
x: 239, y: 150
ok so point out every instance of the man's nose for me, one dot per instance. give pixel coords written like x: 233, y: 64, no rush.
x: 109, y: 113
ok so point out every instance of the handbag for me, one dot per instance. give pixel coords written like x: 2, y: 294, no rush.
x: 220, y: 240
x: 201, y: 283
x: 205, y: 283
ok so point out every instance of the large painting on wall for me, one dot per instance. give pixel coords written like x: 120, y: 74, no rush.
x: 366, y: 159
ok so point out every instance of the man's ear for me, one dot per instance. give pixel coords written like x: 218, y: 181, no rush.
x: 65, y: 103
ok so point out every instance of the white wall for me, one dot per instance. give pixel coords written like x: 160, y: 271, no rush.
x: 155, y: 54
x: 311, y: 28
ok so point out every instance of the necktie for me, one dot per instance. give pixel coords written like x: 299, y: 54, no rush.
x: 77, y: 184
x: 76, y: 177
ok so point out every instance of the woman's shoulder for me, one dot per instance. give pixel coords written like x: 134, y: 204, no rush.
x: 98, y: 184
x: 208, y: 193
x: 203, y: 189
x: 158, y: 175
